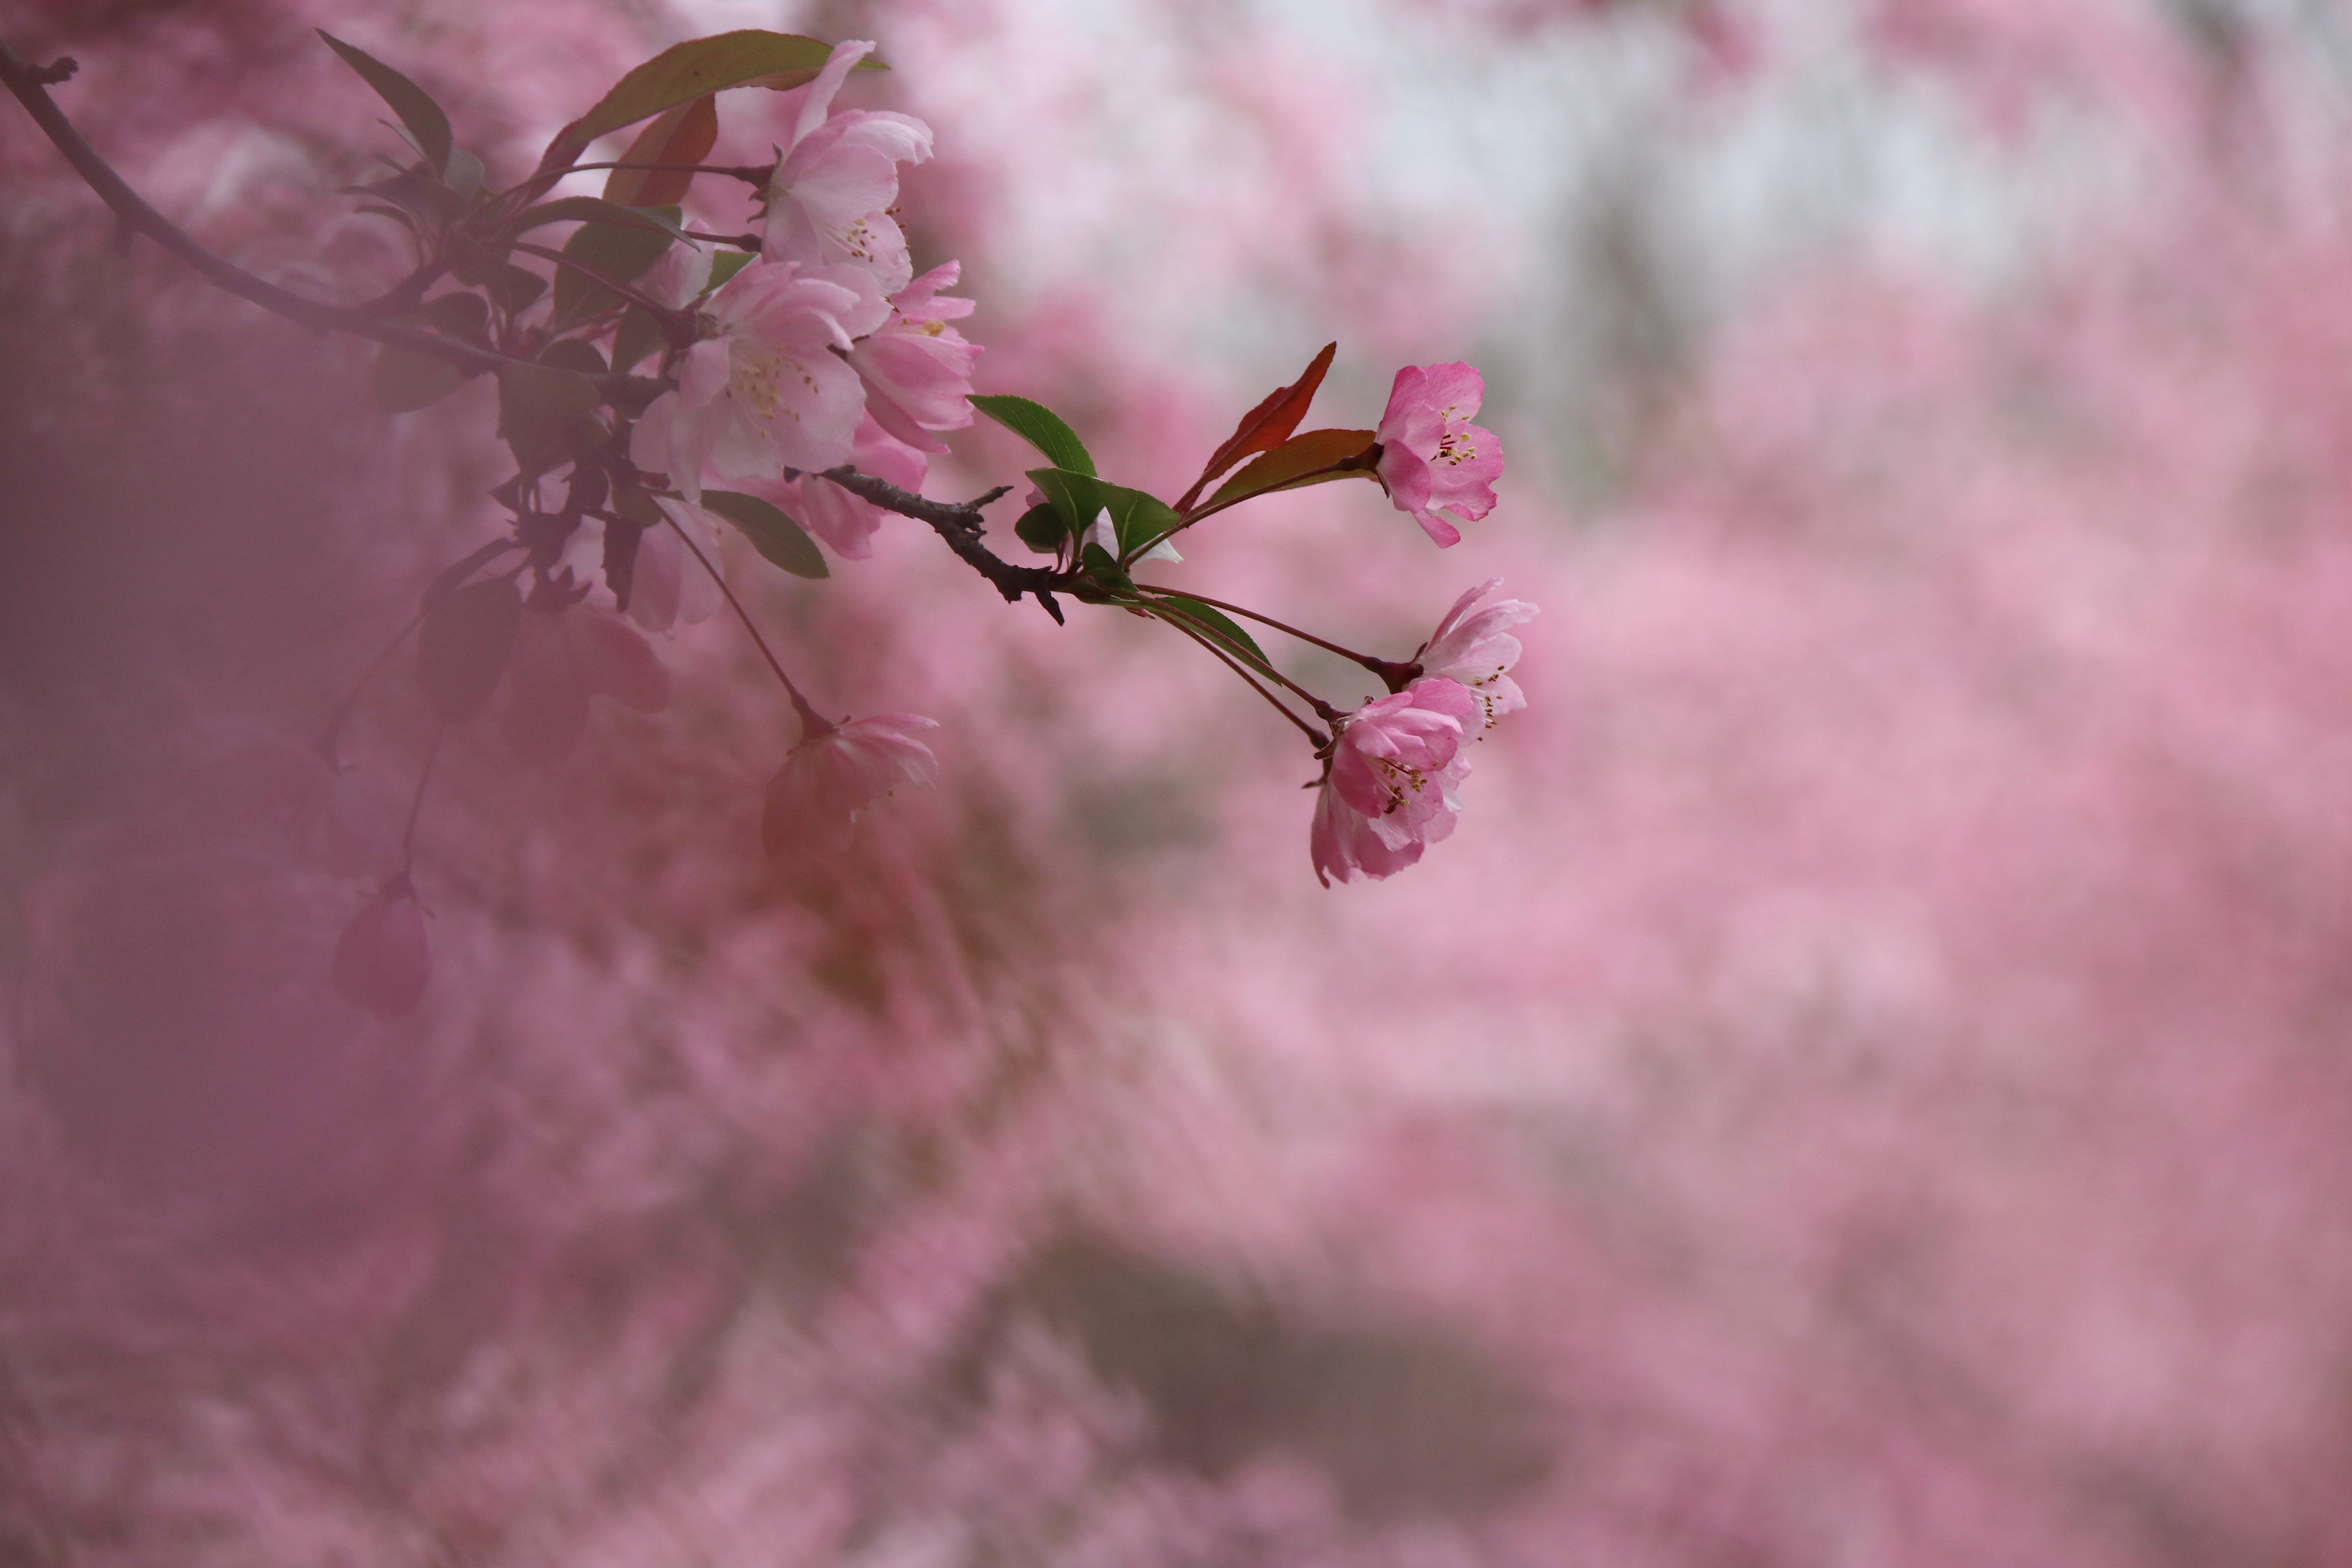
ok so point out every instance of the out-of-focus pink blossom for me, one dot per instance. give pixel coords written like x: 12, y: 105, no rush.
x: 830, y: 199
x: 844, y: 522
x: 381, y: 959
x: 1432, y: 457
x: 814, y: 799
x: 1476, y: 649
x: 766, y: 392
x: 671, y: 587
x: 917, y: 369
x: 1389, y: 791
x: 564, y: 653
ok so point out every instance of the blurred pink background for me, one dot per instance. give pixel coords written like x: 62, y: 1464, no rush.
x: 1867, y: 1082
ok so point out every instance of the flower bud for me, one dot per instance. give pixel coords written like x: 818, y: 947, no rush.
x: 381, y: 961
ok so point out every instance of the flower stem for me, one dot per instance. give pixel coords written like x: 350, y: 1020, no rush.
x: 1380, y: 667
x: 812, y: 724
x: 330, y: 744
x: 416, y: 802
x: 1186, y: 627
x: 1176, y: 617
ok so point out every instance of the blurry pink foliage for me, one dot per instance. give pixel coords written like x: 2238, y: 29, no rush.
x: 1867, y: 1085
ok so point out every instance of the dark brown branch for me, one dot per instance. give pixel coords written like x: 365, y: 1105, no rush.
x: 958, y: 522
x: 30, y: 85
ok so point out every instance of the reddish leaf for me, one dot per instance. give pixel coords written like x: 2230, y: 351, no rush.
x: 686, y: 71
x: 1266, y: 426
x: 682, y: 134
x: 1307, y: 459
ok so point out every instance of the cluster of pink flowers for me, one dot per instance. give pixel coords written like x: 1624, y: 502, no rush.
x: 826, y: 348
x: 1390, y: 790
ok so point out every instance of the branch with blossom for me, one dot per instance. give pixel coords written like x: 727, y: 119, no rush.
x: 800, y: 382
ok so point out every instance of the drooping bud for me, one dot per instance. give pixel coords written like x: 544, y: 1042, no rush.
x: 382, y: 961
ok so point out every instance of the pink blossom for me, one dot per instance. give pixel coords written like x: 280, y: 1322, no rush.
x: 381, y: 959
x: 1432, y: 457
x: 1476, y: 650
x: 814, y: 799
x: 917, y: 369
x: 844, y: 522
x: 765, y: 392
x: 671, y: 587
x: 1389, y: 793
x: 564, y: 653
x: 830, y: 198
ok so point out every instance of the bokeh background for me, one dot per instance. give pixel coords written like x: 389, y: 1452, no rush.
x: 1866, y: 1084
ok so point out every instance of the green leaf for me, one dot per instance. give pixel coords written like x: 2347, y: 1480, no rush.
x: 686, y: 71
x: 1104, y: 570
x: 683, y: 134
x: 597, y: 209
x: 423, y: 117
x: 463, y: 646
x: 728, y: 263
x: 537, y: 408
x: 1041, y: 527
x: 429, y: 203
x: 637, y: 336
x: 516, y: 287
x: 1041, y: 427
x: 570, y: 353
x: 634, y: 505
x: 1217, y: 624
x: 618, y: 251
x: 1136, y: 518
x: 465, y: 317
x: 403, y: 381
x: 771, y: 533
x: 1310, y: 459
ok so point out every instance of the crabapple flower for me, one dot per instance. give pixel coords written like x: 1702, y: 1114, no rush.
x: 917, y: 369
x: 381, y: 959
x: 829, y: 200
x: 1476, y: 649
x: 564, y: 653
x: 844, y: 522
x: 1432, y: 457
x: 678, y: 277
x: 814, y: 800
x: 766, y: 392
x: 1389, y: 793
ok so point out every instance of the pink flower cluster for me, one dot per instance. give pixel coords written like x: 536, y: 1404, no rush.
x: 827, y: 350
x: 1390, y: 790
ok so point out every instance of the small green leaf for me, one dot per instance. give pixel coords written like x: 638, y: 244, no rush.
x: 614, y: 250
x: 403, y: 381
x: 423, y: 117
x: 771, y: 533
x: 1041, y: 527
x: 429, y: 203
x: 1136, y: 518
x: 1041, y: 427
x: 637, y: 336
x: 1105, y: 570
x: 570, y: 353
x: 537, y: 408
x: 463, y: 316
x: 1310, y: 459
x: 1217, y: 624
x: 686, y: 71
x: 515, y: 288
x: 463, y: 646
x: 634, y: 505
x: 728, y: 263
x: 597, y: 209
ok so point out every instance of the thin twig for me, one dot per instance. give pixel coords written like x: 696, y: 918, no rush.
x: 1312, y: 734
x: 1175, y: 616
x: 812, y: 723
x: 960, y: 525
x: 1388, y: 670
